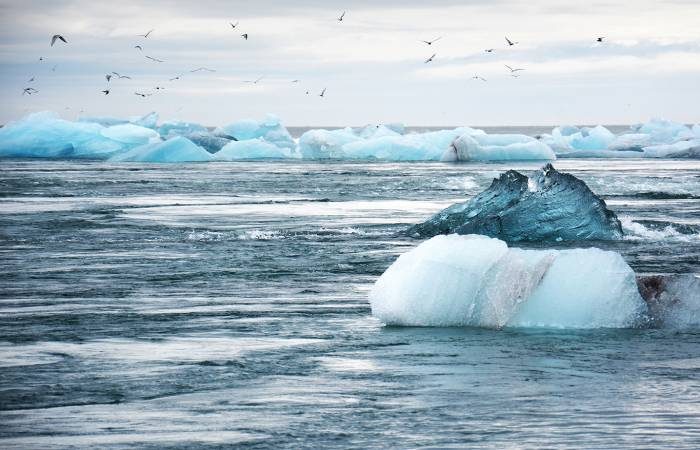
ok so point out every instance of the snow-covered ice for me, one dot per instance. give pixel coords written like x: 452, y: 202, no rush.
x: 177, y: 149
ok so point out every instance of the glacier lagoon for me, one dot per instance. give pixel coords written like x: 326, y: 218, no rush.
x: 227, y: 303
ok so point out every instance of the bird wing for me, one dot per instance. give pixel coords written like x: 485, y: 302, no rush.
x: 509, y: 68
x: 342, y: 15
x: 62, y: 38
x: 53, y: 39
x: 508, y: 41
x: 437, y: 39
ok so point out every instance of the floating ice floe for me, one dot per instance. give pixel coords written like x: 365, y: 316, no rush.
x: 270, y: 129
x: 177, y: 149
x: 548, y: 206
x: 208, y: 141
x: 474, y: 280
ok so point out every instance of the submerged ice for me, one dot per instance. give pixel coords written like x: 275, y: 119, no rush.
x: 475, y: 280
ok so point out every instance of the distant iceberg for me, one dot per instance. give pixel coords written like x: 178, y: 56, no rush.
x: 45, y: 135
x: 177, y: 149
x: 479, y: 281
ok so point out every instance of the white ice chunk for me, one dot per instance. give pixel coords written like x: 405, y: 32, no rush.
x: 325, y: 144
x: 251, y: 149
x: 410, y: 147
x: 478, y: 281
x: 512, y: 147
x: 177, y: 149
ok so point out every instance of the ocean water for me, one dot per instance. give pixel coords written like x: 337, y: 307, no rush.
x: 225, y: 304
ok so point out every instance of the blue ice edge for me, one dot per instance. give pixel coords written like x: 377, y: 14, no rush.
x: 477, y: 281
x: 143, y: 139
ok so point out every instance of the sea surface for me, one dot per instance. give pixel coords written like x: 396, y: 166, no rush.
x: 225, y: 304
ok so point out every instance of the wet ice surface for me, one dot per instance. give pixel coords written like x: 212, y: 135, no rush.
x: 146, y: 305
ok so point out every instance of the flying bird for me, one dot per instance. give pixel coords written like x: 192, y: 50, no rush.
x: 58, y: 37
x: 147, y: 34
x: 53, y: 69
x: 600, y: 39
x: 142, y: 95
x: 30, y: 80
x: 138, y: 47
x: 510, y: 43
x: 430, y: 59
x: 29, y: 91
x: 158, y: 88
x: 307, y: 92
x: 108, y: 77
x: 202, y: 69
x: 118, y: 75
x: 477, y: 77
x: 340, y: 19
x: 434, y: 40
x: 105, y: 92
x: 245, y: 36
x: 175, y: 78
x: 41, y: 58
x: 233, y: 25
x: 489, y: 50
x: 154, y: 59
x: 512, y: 69
x: 254, y: 81
x: 323, y: 93
x: 295, y: 81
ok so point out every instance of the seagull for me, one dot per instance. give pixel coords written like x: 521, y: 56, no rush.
x: 30, y: 80
x: 201, y: 69
x: 175, y: 78
x: 307, y: 92
x: 430, y: 59
x: 58, y: 37
x: 142, y: 95
x: 340, y: 19
x: 121, y: 76
x: 323, y: 92
x: 29, y: 91
x: 245, y: 36
x: 53, y: 69
x: 138, y: 47
x: 434, y: 40
x: 510, y: 43
x: 146, y: 35
x: 108, y: 77
x: 253, y: 81
x: 477, y: 77
x: 511, y: 69
x: 106, y: 92
x: 233, y: 25
x: 489, y: 50
x: 41, y: 58
x: 600, y: 39
x: 295, y: 81
x: 158, y: 88
x: 154, y: 59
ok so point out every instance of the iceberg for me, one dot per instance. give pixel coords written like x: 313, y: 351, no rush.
x: 150, y: 120
x: 45, y: 135
x: 475, y: 280
x: 131, y: 134
x: 251, y: 149
x: 178, y: 128
x: 495, y: 147
x: 549, y: 206
x: 409, y: 147
x: 270, y: 129
x: 177, y: 149
x: 325, y: 144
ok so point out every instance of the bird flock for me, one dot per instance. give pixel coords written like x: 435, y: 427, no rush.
x: 514, y: 72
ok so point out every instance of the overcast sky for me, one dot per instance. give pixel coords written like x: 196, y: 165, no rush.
x: 372, y: 63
